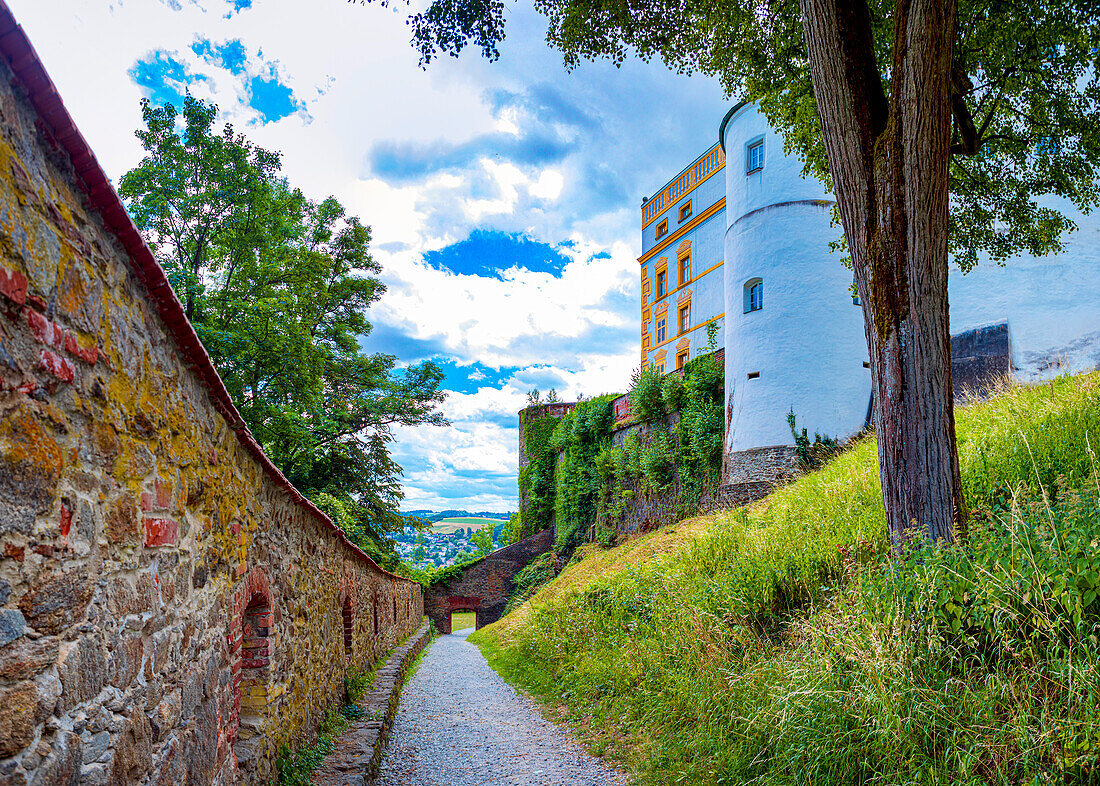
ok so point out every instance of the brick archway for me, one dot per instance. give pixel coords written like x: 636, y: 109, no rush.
x: 250, y: 649
x: 484, y: 586
x: 347, y: 618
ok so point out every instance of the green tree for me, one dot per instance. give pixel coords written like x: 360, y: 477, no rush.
x: 277, y: 287
x: 937, y: 123
x: 482, y: 539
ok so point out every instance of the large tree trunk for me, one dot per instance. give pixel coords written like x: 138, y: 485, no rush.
x: 888, y: 156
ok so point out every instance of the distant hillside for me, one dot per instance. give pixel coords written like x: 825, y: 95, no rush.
x: 439, y: 515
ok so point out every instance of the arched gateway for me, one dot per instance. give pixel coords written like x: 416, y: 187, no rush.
x: 484, y: 587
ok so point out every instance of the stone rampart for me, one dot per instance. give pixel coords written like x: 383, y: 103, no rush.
x: 172, y: 611
x: 484, y: 586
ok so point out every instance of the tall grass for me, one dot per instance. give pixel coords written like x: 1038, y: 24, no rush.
x: 786, y: 643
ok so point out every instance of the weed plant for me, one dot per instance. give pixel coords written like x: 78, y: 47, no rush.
x: 787, y: 643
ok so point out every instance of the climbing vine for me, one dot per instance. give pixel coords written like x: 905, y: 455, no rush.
x: 666, y: 466
x: 578, y: 439
x: 536, y: 479
x: 667, y: 458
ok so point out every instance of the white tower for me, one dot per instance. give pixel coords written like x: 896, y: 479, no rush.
x: 794, y: 337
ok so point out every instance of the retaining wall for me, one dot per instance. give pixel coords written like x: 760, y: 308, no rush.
x: 171, y: 610
x: 484, y: 586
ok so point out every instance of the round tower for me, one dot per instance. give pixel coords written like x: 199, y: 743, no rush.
x: 793, y: 333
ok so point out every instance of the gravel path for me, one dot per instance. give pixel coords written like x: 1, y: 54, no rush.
x: 460, y: 724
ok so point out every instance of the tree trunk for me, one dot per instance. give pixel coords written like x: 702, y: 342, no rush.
x: 888, y: 156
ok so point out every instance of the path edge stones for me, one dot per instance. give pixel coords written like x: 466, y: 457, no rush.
x: 358, y: 755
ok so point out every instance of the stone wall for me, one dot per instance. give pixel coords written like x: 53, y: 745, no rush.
x: 484, y: 586
x: 171, y: 610
x: 980, y: 359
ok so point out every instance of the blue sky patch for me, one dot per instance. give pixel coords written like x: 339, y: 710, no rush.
x: 271, y: 98
x: 162, y: 77
x: 486, y: 253
x: 473, y: 377
x: 230, y: 55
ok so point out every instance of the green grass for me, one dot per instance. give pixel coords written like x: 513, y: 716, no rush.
x: 460, y: 620
x: 785, y: 644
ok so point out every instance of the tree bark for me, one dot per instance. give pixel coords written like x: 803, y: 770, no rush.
x: 888, y: 156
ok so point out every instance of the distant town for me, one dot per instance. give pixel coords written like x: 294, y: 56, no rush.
x: 448, y: 537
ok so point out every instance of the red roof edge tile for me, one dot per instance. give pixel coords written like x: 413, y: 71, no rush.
x: 19, y: 54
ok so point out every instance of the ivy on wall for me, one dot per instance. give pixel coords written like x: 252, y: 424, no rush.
x: 536, y: 479
x: 578, y: 440
x: 666, y: 466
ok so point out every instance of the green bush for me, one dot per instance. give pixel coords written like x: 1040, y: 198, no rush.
x: 672, y: 392
x: 646, y: 395
x: 536, y: 479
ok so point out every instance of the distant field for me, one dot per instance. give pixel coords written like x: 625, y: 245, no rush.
x: 460, y: 620
x: 447, y: 526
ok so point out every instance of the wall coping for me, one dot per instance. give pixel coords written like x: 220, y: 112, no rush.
x: 20, y: 56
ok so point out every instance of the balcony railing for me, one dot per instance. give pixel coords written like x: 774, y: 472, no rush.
x: 707, y: 165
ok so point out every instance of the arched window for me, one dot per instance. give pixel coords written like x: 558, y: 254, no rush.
x: 256, y: 626
x: 348, y: 629
x: 754, y: 295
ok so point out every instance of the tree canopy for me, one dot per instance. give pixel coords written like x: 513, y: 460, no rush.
x: 1026, y: 101
x: 277, y: 287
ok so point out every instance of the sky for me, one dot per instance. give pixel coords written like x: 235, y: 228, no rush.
x: 503, y: 196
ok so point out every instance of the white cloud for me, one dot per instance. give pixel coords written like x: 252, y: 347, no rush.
x: 560, y: 157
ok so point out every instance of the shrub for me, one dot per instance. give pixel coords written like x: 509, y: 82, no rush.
x: 646, y: 395
x: 672, y: 392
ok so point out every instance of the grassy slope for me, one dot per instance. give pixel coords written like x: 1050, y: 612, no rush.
x: 771, y: 645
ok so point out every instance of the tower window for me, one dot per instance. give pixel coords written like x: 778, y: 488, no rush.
x: 662, y: 283
x: 685, y: 211
x: 754, y: 295
x: 685, y: 269
x: 662, y: 228
x: 661, y: 329
x: 685, y: 318
x: 754, y: 157
x: 681, y: 359
x: 754, y: 375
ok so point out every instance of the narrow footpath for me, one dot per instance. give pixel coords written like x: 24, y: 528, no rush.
x: 460, y: 724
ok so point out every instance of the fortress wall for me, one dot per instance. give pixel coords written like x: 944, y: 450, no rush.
x: 171, y: 611
x: 484, y: 586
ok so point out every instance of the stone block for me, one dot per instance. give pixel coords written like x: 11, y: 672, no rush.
x: 45, y: 331
x: 95, y: 746
x: 161, y: 532
x: 83, y: 671
x: 85, y: 349
x: 13, y: 285
x: 61, y: 765
x: 18, y: 708
x: 27, y: 658
x: 57, y: 600
x: 125, y: 661
x: 133, y: 750
x: 12, y: 623
x: 28, y: 474
x: 60, y: 367
x: 166, y: 715
x: 121, y: 521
